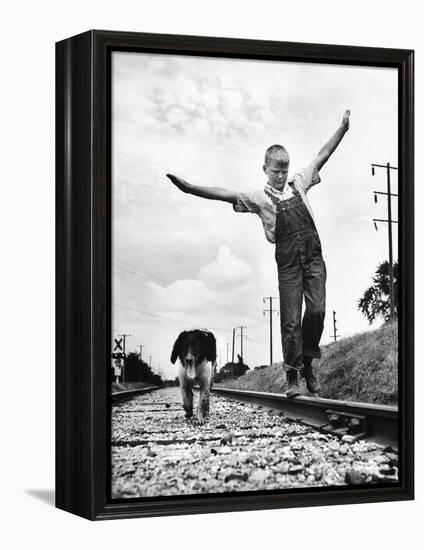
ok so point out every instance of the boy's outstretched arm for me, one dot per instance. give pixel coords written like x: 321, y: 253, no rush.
x: 329, y: 148
x: 212, y: 193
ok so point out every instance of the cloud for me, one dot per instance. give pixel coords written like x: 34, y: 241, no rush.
x: 226, y: 272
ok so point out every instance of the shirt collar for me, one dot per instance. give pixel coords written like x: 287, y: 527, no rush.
x: 274, y: 194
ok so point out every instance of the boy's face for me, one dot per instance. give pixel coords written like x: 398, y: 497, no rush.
x: 277, y: 172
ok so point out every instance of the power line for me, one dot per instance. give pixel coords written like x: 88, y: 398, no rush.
x: 181, y: 292
x: 179, y: 321
x: 256, y: 342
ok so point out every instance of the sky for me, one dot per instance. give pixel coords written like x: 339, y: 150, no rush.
x: 182, y: 262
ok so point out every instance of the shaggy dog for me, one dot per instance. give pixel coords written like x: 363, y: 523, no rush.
x: 196, y: 350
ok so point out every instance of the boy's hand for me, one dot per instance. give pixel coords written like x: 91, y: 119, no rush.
x: 345, y: 121
x: 331, y: 145
x: 180, y: 183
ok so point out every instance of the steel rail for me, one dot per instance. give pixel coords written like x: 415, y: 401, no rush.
x: 128, y: 394
x: 378, y: 423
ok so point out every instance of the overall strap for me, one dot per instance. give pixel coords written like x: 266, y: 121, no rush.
x: 302, y: 194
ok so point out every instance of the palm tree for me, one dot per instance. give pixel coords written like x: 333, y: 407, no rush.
x: 375, y: 301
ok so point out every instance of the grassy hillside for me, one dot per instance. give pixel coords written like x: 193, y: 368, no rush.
x: 360, y: 368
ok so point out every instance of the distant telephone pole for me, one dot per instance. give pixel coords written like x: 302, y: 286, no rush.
x: 334, y: 327
x: 228, y: 346
x: 234, y: 338
x: 389, y: 221
x: 241, y: 336
x: 124, y: 337
x: 270, y: 311
x: 141, y: 346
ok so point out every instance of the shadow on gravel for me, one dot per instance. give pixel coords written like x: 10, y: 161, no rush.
x: 46, y: 495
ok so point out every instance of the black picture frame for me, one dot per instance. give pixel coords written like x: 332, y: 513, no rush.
x: 83, y: 274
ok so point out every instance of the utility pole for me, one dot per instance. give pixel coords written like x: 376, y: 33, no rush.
x: 389, y: 221
x: 234, y: 337
x: 241, y: 336
x: 228, y: 345
x: 334, y: 327
x: 124, y: 336
x: 141, y: 346
x: 150, y: 361
x: 270, y: 311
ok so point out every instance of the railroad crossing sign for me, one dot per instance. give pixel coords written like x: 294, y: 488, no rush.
x: 118, y: 345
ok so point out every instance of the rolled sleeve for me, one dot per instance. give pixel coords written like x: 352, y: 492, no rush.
x: 308, y: 177
x: 248, y: 202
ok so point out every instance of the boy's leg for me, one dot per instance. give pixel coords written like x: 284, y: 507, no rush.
x: 314, y: 279
x: 291, y: 295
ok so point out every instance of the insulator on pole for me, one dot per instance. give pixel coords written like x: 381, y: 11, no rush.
x: 375, y: 225
x: 372, y: 170
x: 375, y: 198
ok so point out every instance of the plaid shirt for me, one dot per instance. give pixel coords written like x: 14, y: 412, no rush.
x: 263, y: 202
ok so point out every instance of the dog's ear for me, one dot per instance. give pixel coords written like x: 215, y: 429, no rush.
x: 210, y: 347
x: 176, y: 349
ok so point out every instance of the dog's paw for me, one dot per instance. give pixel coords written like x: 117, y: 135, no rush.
x: 188, y: 412
x: 199, y: 419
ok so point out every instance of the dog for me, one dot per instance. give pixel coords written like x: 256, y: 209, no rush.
x: 196, y: 350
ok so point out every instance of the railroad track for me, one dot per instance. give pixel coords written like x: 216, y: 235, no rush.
x: 378, y: 423
x: 245, y: 446
x: 129, y: 394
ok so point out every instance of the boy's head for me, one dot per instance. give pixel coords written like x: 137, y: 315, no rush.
x: 276, y: 166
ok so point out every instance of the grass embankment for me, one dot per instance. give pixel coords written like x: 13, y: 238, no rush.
x: 360, y: 368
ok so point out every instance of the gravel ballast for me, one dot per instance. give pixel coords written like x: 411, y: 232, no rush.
x: 243, y: 447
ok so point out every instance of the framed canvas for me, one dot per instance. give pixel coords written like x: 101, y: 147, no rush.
x: 168, y: 286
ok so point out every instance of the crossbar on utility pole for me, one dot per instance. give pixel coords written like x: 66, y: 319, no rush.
x: 270, y: 311
x: 389, y: 222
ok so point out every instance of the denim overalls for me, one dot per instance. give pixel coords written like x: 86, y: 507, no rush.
x: 301, y: 274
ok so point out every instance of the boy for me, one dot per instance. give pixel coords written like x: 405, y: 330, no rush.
x: 288, y: 222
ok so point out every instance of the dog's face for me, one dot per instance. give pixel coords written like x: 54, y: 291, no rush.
x: 193, y: 347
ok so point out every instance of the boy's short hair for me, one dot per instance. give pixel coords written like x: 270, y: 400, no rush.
x: 276, y: 152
